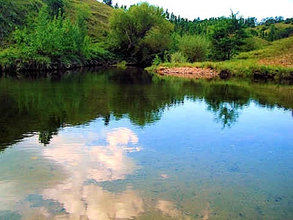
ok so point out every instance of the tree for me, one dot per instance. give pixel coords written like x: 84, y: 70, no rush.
x: 140, y: 33
x: 108, y: 2
x: 227, y: 36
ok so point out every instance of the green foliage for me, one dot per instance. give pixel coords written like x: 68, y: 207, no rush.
x: 15, y: 13
x: 57, y: 38
x: 178, y: 57
x: 53, y: 40
x: 195, y: 48
x: 272, y: 31
x: 55, y: 7
x: 268, y: 63
x: 157, y: 60
x: 273, y: 50
x: 141, y: 32
x: 227, y: 37
x: 253, y: 43
x: 122, y: 64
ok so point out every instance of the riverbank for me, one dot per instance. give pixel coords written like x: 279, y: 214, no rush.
x: 272, y: 63
x: 227, y: 69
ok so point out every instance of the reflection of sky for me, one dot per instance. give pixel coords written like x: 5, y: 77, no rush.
x: 98, y: 163
x: 101, y: 163
x: 183, y: 151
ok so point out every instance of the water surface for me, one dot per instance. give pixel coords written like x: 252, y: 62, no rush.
x: 121, y: 144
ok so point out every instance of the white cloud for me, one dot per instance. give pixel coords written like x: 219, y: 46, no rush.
x: 214, y: 8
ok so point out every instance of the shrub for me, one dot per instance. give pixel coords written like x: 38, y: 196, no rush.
x: 178, y: 57
x: 157, y: 60
x: 57, y: 38
x: 195, y: 48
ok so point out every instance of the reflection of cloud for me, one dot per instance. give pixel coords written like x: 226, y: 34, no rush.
x: 100, y: 163
x: 110, y: 206
x: 168, y: 208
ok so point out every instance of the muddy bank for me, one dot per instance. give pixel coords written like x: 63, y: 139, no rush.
x: 189, y: 72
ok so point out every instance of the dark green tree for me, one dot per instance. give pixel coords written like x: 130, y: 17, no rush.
x: 140, y: 33
x: 227, y: 36
x: 108, y: 2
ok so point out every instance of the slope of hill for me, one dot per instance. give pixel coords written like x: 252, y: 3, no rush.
x: 99, y: 15
x: 17, y: 13
x: 279, y: 53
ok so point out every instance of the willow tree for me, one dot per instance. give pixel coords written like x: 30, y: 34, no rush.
x: 140, y: 33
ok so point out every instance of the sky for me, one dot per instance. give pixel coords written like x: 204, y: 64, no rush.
x: 214, y: 8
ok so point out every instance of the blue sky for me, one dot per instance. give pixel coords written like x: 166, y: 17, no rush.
x: 213, y: 8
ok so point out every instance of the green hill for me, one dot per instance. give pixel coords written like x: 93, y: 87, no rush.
x: 278, y: 53
x: 99, y: 15
x: 18, y: 13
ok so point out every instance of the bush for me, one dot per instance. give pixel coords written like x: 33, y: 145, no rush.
x: 55, y: 39
x: 157, y: 60
x: 195, y: 48
x: 178, y: 57
x: 141, y: 32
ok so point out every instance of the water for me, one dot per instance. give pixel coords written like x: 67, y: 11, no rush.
x: 120, y: 144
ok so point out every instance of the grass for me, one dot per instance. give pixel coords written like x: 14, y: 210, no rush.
x: 272, y: 62
x: 17, y: 13
x: 100, y: 13
x: 279, y: 53
x: 22, y: 14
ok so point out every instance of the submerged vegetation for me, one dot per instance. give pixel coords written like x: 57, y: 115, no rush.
x: 60, y: 34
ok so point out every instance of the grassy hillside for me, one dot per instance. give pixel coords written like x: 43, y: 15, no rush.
x: 278, y: 53
x: 18, y: 13
x: 99, y: 15
x: 52, y: 34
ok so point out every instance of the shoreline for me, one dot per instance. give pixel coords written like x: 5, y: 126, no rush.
x: 242, y: 69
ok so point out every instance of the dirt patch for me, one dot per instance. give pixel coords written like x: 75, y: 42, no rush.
x: 189, y: 72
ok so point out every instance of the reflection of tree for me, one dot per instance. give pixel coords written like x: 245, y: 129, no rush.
x: 46, y: 136
x: 226, y: 101
x: 44, y: 107
x: 49, y: 128
x: 226, y: 113
x: 107, y: 119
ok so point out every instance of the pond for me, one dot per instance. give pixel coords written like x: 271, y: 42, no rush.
x: 122, y: 144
